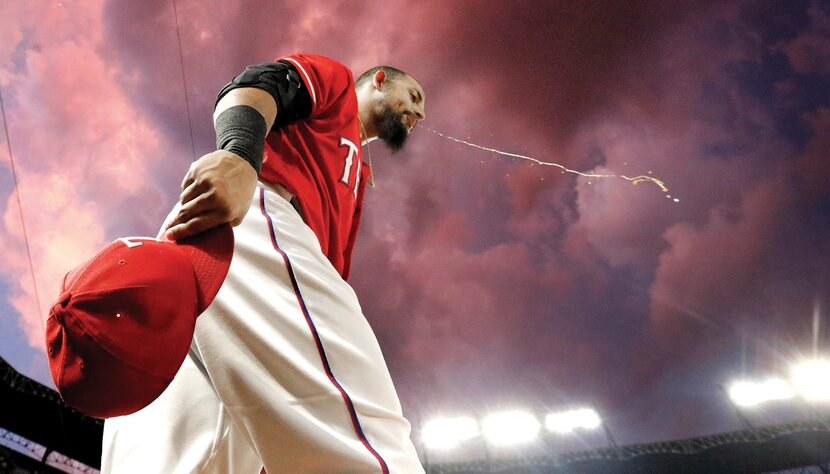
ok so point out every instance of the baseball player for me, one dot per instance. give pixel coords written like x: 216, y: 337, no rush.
x: 284, y: 373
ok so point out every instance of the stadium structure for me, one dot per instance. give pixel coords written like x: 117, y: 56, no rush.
x: 39, y: 433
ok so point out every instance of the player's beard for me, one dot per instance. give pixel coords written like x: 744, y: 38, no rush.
x: 392, y: 130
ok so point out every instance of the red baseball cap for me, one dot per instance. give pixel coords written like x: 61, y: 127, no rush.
x: 123, y: 323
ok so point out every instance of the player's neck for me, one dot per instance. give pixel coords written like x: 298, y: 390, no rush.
x: 366, y: 102
x: 367, y: 128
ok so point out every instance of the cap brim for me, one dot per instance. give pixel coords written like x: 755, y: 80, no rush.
x: 210, y: 254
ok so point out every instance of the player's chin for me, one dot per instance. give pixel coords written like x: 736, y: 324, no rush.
x: 396, y: 143
x: 395, y: 140
x: 394, y: 135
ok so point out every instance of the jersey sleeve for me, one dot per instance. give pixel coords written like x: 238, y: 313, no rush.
x: 327, y: 80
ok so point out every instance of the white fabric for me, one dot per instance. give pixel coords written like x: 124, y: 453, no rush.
x: 253, y: 391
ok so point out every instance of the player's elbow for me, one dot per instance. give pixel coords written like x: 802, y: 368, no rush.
x: 253, y: 97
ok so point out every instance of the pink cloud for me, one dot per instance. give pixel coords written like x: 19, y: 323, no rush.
x: 481, y: 275
x: 90, y: 153
x: 809, y: 52
x: 754, y: 264
x: 813, y: 167
x: 722, y: 261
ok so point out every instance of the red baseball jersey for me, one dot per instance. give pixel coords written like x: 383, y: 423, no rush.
x: 319, y: 159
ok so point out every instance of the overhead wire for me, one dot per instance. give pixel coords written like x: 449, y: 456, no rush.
x: 20, y: 209
x: 184, y: 78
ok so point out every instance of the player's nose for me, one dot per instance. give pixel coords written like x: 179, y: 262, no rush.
x: 412, y: 120
x: 415, y: 117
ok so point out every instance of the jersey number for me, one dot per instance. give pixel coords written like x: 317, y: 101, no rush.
x: 350, y: 159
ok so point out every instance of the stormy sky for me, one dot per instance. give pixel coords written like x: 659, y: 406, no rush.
x: 490, y: 282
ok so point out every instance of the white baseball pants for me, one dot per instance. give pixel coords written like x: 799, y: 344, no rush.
x: 284, y: 372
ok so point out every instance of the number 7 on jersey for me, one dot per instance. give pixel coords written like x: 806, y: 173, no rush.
x: 350, y: 158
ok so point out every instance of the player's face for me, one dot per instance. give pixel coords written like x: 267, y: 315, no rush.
x: 407, y: 97
x: 402, y: 109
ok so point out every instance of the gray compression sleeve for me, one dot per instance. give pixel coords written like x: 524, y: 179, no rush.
x: 241, y: 129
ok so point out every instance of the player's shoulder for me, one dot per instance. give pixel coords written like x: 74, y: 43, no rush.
x: 319, y: 64
x: 328, y: 81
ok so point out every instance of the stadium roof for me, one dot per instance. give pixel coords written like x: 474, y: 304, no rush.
x: 37, y: 412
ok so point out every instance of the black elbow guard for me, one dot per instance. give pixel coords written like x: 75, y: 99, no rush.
x: 281, y: 80
x: 241, y: 130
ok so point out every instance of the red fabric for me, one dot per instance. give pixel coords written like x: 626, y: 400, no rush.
x: 92, y: 380
x: 124, y: 321
x: 309, y: 157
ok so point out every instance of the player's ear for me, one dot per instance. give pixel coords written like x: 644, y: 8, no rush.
x: 380, y: 76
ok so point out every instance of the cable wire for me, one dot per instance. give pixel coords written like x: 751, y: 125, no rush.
x: 184, y: 79
x: 20, y: 208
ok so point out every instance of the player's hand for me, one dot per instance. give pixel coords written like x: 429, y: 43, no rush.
x: 217, y: 189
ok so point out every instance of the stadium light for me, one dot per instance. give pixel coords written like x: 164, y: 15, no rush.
x: 812, y: 379
x: 510, y: 427
x: 447, y: 433
x: 566, y: 422
x: 747, y: 394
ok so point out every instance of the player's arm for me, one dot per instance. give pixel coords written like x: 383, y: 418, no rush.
x: 218, y: 187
